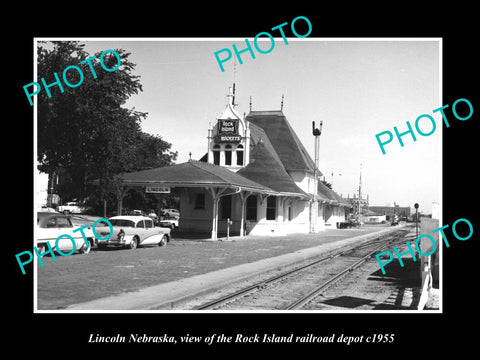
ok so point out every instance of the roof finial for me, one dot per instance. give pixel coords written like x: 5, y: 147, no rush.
x: 231, y: 95
x: 250, y: 102
x: 281, y: 104
x: 234, y: 69
x: 234, y: 79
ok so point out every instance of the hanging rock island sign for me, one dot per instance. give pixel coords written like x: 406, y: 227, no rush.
x: 227, y: 131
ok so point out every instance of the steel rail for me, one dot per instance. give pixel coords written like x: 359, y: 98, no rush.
x: 261, y: 284
x: 318, y: 290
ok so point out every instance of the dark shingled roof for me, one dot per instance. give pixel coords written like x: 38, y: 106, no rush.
x: 265, y: 168
x: 285, y: 141
x: 270, y: 160
x: 328, y: 195
x: 192, y: 173
x: 275, y: 150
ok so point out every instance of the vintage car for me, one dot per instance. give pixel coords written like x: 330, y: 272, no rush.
x: 350, y: 223
x: 130, y: 231
x: 51, y: 225
x: 171, y: 213
x: 169, y: 222
x: 394, y: 220
x: 73, y: 208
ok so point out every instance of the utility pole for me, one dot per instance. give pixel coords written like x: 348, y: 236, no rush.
x: 360, y: 194
x: 314, y: 204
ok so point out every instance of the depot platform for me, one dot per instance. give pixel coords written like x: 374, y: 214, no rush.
x: 170, y: 294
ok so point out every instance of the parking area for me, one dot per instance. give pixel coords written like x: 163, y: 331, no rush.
x: 79, y: 278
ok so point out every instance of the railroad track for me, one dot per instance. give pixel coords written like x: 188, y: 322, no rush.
x: 293, y: 288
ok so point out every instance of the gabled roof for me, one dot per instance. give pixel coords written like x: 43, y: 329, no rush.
x: 265, y: 168
x: 258, y: 135
x: 192, y: 174
x: 328, y: 195
x: 285, y: 141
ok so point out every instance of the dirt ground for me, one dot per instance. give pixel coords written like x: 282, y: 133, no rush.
x: 363, y: 289
x: 101, y: 273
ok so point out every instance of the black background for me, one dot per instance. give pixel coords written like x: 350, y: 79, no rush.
x: 415, y: 334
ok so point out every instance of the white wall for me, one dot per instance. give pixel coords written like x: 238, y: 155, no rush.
x: 303, y: 180
x: 201, y: 220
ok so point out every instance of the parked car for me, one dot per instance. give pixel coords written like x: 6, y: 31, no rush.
x: 51, y: 225
x: 394, y: 221
x: 171, y: 223
x: 351, y: 223
x: 45, y: 208
x: 130, y: 231
x: 72, y: 208
x: 152, y: 215
x: 171, y: 212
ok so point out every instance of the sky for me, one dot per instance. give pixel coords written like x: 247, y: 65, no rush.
x: 357, y: 87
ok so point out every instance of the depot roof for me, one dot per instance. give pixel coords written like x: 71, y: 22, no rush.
x: 329, y: 196
x: 265, y: 167
x: 275, y: 151
x: 285, y: 141
x: 192, y: 174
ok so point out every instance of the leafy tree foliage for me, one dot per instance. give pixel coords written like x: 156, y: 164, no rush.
x: 85, y: 132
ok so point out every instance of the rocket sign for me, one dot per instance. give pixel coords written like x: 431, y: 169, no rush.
x: 227, y: 131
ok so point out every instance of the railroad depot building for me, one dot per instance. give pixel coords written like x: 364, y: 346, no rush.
x: 256, y: 177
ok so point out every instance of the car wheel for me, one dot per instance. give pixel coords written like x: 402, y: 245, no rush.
x: 41, y: 248
x: 86, y: 249
x: 66, y: 212
x: 133, y: 244
x: 163, y: 241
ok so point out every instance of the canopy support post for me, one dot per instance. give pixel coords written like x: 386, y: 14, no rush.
x: 215, y: 192
x: 243, y: 198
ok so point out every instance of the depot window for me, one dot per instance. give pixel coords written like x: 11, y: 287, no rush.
x: 271, y: 208
x: 240, y: 155
x: 228, y: 154
x: 252, y: 208
x: 226, y: 207
x: 216, y: 154
x: 199, y: 201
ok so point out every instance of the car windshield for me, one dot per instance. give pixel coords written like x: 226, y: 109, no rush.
x: 53, y: 222
x: 122, y: 222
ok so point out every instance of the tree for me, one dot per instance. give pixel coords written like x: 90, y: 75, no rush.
x: 151, y: 152
x: 85, y: 130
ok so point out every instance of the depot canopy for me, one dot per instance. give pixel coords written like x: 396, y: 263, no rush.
x: 192, y: 174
